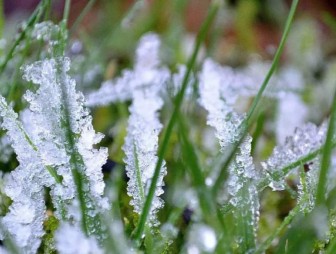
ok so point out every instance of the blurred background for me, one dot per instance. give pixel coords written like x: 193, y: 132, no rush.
x: 103, y: 35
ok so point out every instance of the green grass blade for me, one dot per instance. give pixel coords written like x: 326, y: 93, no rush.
x: 326, y: 156
x: 178, y: 102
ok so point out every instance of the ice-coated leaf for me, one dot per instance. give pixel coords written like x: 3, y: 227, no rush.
x: 217, y: 96
x: 64, y: 130
x: 25, y: 186
x: 141, y: 144
x: 55, y: 140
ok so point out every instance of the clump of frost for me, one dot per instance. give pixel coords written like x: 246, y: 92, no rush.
x: 71, y: 240
x: 217, y: 96
x: 201, y: 239
x: 147, y: 71
x: 306, y: 139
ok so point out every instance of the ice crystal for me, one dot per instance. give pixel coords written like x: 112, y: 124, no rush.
x: 71, y: 240
x: 306, y: 139
x: 140, y: 148
x: 146, y: 71
x: 217, y: 96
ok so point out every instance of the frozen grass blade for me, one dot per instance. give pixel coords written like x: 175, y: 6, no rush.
x: 178, y: 102
x: 326, y: 155
x: 247, y: 122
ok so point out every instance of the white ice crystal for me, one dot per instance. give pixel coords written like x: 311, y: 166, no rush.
x: 71, y: 240
x: 217, y: 96
x: 46, y: 151
x: 306, y: 139
x: 146, y: 71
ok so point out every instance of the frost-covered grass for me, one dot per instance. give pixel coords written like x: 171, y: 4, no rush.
x: 194, y: 156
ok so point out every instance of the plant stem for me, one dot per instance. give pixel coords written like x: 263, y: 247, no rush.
x: 178, y: 102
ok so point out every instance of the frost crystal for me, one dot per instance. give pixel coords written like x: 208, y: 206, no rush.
x: 147, y: 71
x: 46, y: 155
x: 305, y: 140
x: 217, y: 96
x: 71, y: 240
x: 140, y: 147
